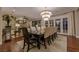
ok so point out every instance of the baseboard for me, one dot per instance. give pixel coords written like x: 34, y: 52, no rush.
x: 65, y: 34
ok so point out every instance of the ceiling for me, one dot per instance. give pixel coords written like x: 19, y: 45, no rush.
x: 34, y: 12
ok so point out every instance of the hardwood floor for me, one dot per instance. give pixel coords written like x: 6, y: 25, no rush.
x: 72, y: 44
x: 7, y: 46
x: 59, y: 45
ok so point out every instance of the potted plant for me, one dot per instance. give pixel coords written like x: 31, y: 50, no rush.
x: 7, y: 29
x: 8, y: 18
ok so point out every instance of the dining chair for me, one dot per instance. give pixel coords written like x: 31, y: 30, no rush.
x: 55, y: 32
x: 51, y: 33
x: 29, y: 40
x: 42, y: 41
x: 33, y: 30
x: 47, y: 35
x: 38, y: 29
x: 39, y: 36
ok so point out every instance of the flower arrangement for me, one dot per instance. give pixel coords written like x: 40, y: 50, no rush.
x: 8, y: 18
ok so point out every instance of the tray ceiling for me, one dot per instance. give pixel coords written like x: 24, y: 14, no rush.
x: 34, y: 12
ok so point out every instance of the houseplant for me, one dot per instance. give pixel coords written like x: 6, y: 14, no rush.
x: 8, y: 18
x: 7, y: 29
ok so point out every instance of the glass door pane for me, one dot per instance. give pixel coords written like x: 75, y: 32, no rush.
x: 39, y: 23
x: 65, y: 25
x: 46, y: 23
x: 51, y: 23
x: 57, y: 24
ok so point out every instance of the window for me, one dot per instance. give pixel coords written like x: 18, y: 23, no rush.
x: 39, y: 23
x: 46, y: 23
x: 34, y: 23
x: 51, y: 23
x: 57, y: 24
x: 65, y: 25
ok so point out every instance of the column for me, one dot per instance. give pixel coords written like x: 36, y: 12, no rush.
x: 42, y: 23
x: 61, y: 25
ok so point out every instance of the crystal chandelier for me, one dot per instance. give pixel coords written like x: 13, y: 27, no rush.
x: 46, y: 14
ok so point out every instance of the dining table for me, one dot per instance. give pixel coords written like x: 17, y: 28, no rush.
x: 44, y: 36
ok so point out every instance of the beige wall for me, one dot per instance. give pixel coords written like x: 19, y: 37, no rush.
x: 77, y: 23
x: 0, y: 28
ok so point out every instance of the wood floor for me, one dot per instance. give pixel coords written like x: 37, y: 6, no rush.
x: 59, y: 45
x: 72, y: 44
x: 7, y: 46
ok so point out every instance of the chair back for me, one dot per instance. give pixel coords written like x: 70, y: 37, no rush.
x: 25, y: 34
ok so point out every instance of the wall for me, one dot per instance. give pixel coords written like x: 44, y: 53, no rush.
x: 77, y: 22
x: 0, y: 28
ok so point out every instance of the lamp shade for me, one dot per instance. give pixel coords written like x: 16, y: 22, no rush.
x: 46, y: 14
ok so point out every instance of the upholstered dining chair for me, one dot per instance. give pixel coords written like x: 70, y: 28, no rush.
x: 55, y: 32
x: 29, y: 40
x: 33, y: 30
x: 47, y: 35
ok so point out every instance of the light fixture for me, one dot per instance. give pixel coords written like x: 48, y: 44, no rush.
x: 17, y: 25
x: 21, y: 20
x: 46, y: 14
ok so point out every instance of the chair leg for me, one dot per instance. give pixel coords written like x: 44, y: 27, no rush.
x: 53, y: 38
x: 45, y: 44
x: 38, y: 46
x: 24, y: 45
x: 28, y: 47
x: 55, y: 35
x: 49, y: 40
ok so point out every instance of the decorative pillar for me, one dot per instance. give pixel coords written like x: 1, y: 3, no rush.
x: 42, y: 23
x: 61, y: 25
x: 48, y: 23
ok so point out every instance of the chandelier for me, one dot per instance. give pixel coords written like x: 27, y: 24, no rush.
x: 46, y: 14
